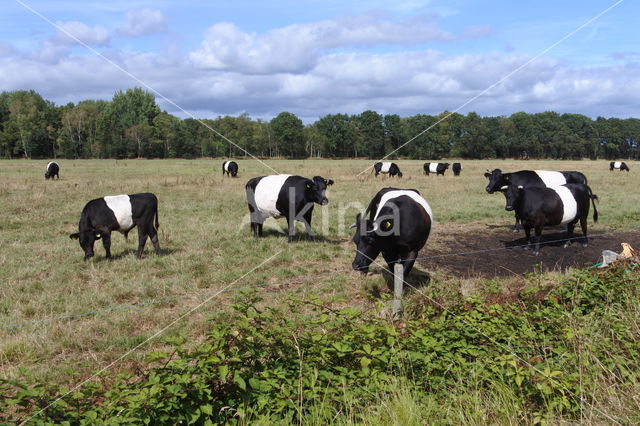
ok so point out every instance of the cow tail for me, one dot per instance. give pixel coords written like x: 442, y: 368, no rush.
x: 594, y: 197
x: 157, y: 218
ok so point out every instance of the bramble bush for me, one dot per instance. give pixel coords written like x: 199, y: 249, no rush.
x: 302, y: 360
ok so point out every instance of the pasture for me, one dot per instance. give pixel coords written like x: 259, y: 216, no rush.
x: 58, y: 312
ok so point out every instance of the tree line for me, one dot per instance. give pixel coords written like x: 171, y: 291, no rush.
x: 131, y: 125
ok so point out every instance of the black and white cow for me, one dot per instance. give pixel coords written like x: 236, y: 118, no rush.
x: 387, y: 167
x: 118, y: 213
x: 52, y: 170
x: 457, y: 168
x: 618, y: 165
x: 437, y: 168
x: 556, y: 205
x: 398, y: 226
x: 230, y: 168
x: 499, y: 181
x: 285, y: 195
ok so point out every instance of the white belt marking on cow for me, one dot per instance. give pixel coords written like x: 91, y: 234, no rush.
x: 266, y: 194
x: 551, y: 178
x: 395, y: 194
x: 51, y: 162
x: 225, y: 166
x: 120, y: 205
x: 569, y: 205
x: 385, y: 167
x: 433, y: 167
x: 617, y: 164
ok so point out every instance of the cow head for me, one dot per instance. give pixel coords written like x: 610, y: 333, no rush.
x: 512, y: 195
x: 446, y: 165
x: 366, y: 247
x: 316, y: 190
x: 86, y: 238
x: 497, y: 180
x: 47, y: 175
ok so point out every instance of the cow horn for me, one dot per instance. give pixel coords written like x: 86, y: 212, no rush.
x: 353, y: 225
x: 502, y: 188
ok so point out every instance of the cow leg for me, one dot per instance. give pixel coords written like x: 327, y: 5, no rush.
x: 408, y: 263
x: 583, y: 225
x: 516, y: 226
x: 291, y: 222
x: 307, y: 223
x: 106, y: 243
x: 570, y: 227
x: 536, y: 251
x: 527, y: 231
x: 142, y: 239
x: 153, y: 234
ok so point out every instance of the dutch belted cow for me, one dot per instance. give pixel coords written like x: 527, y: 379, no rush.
x: 398, y: 226
x: 118, y: 213
x: 285, y: 195
x: 556, y: 205
x: 52, y: 169
x: 499, y: 181
x: 437, y: 168
x: 230, y: 168
x: 456, y: 168
x: 620, y: 165
x: 387, y: 167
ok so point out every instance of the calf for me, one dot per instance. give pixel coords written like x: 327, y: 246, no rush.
x: 398, y: 226
x: 52, y: 170
x: 437, y: 168
x: 499, y: 181
x: 618, y: 165
x: 557, y: 205
x: 387, y: 167
x: 230, y: 168
x: 118, y: 213
x: 285, y: 195
x: 457, y: 168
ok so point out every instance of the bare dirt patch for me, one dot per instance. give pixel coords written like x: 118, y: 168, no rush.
x: 495, y: 251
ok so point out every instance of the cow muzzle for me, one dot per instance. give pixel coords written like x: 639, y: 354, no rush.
x: 324, y: 202
x: 360, y: 268
x: 508, y: 208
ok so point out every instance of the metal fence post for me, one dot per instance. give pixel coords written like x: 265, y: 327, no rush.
x: 398, y: 281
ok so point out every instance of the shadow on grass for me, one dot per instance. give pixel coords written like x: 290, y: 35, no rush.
x: 131, y: 252
x: 556, y: 239
x: 272, y: 233
x: 413, y: 282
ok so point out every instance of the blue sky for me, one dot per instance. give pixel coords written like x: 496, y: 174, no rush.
x: 315, y: 58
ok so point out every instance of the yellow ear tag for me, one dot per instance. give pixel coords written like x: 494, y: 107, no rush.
x: 387, y: 225
x: 98, y: 235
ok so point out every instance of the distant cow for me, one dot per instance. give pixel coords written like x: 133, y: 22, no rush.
x: 457, y: 168
x: 230, y: 168
x: 499, y: 181
x: 557, y: 205
x: 118, y: 213
x: 398, y: 226
x: 387, y: 167
x: 437, y: 168
x: 618, y: 165
x: 285, y: 195
x: 52, y: 170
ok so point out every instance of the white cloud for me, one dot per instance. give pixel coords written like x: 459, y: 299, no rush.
x: 74, y: 32
x: 141, y: 22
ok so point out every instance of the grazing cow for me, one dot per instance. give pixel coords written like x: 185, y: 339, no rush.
x: 398, y: 226
x: 118, y: 213
x: 618, y: 165
x: 499, y: 181
x: 556, y: 205
x: 457, y: 168
x: 230, y: 168
x: 52, y: 170
x: 285, y: 195
x: 437, y: 168
x: 387, y: 167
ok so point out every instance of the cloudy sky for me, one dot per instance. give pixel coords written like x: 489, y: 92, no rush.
x: 317, y: 57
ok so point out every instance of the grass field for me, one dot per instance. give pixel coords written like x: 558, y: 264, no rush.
x: 207, y: 244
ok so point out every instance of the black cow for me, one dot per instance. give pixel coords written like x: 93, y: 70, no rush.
x: 398, y: 226
x: 457, y: 168
x: 52, y: 169
x: 387, y: 167
x: 618, y: 165
x: 558, y: 205
x: 285, y: 195
x: 437, y: 168
x: 230, y: 168
x: 499, y: 181
x: 118, y: 213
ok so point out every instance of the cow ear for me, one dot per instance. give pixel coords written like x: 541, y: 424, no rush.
x: 328, y: 182
x: 487, y: 174
x: 74, y: 236
x: 98, y: 235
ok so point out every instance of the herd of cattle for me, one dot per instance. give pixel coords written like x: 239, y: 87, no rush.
x: 396, y: 223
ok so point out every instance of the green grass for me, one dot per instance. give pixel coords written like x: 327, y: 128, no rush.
x: 208, y: 246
